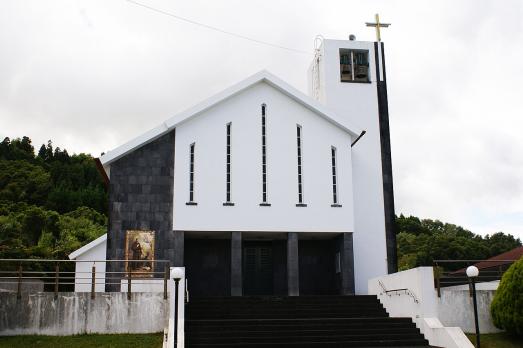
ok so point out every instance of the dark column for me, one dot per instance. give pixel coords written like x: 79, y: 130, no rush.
x: 293, y: 269
x: 178, y: 246
x: 236, y: 264
x: 386, y: 162
x: 347, y: 264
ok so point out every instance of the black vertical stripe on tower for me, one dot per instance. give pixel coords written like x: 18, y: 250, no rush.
x: 386, y: 162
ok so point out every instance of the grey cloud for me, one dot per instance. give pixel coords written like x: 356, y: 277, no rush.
x: 92, y: 74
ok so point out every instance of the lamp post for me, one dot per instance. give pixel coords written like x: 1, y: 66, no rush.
x: 178, y: 276
x: 175, y: 333
x: 472, y: 273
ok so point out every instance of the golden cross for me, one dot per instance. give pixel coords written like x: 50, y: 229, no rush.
x: 378, y: 25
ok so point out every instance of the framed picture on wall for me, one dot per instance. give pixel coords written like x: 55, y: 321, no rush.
x: 139, y: 251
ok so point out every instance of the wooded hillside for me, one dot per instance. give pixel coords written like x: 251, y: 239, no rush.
x: 52, y: 203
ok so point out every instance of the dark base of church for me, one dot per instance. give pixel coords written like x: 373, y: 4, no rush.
x: 249, y: 264
x: 256, y: 263
x: 297, y: 321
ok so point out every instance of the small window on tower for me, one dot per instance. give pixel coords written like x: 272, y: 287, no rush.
x: 354, y: 65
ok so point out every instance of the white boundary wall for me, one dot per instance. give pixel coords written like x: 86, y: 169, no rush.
x: 96, y: 250
x: 75, y: 313
x: 422, y: 307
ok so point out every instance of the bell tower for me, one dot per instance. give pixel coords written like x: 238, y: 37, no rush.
x: 349, y: 77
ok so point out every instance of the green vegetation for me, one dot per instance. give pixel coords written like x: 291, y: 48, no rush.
x: 421, y: 241
x: 83, y: 341
x: 52, y: 179
x: 507, y: 306
x: 499, y: 340
x: 51, y: 203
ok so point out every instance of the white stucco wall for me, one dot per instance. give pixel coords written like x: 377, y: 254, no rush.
x: 208, y: 132
x: 419, y: 281
x: 358, y: 102
x: 84, y: 269
x: 441, y: 319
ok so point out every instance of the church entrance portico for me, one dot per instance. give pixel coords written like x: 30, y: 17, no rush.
x: 268, y: 263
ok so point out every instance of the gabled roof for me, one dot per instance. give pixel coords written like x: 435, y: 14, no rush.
x: 262, y: 76
x: 502, y: 259
x: 87, y: 247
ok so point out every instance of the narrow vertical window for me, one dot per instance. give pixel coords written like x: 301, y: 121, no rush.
x: 191, y: 175
x: 300, y: 166
x: 264, y: 154
x: 335, y: 198
x: 228, y: 167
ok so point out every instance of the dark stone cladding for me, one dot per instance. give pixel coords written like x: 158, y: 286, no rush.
x: 386, y: 162
x: 141, y: 198
x: 344, y: 245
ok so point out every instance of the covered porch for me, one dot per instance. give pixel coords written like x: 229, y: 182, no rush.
x: 266, y: 263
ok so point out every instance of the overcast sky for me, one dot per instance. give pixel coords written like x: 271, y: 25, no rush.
x: 92, y: 74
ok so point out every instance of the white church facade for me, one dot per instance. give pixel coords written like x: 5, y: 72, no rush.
x: 263, y: 190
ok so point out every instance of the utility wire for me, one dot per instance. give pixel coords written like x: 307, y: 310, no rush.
x: 215, y: 28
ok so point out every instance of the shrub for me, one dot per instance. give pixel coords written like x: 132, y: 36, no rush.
x: 507, y: 307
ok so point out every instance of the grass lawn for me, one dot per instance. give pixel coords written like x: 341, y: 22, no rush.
x: 499, y: 340
x: 83, y: 341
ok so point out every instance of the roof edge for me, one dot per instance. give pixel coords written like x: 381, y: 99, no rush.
x: 88, y: 246
x: 102, y: 171
x: 261, y: 76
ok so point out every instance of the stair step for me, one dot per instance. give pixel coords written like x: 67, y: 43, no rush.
x: 293, y: 337
x: 343, y: 344
x: 343, y: 323
x: 277, y: 331
x: 291, y: 316
x: 302, y: 321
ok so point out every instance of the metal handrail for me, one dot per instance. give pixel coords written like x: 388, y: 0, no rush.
x: 76, y: 261
x: 406, y: 291
x: 56, y: 277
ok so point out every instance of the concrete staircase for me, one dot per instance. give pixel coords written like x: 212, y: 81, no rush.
x: 303, y: 321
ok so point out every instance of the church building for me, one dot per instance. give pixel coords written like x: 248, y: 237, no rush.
x: 262, y: 189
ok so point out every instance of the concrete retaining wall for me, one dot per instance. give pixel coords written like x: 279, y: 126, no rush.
x: 455, y: 308
x: 76, y: 313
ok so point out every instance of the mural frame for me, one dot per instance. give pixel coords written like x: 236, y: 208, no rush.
x: 143, y: 252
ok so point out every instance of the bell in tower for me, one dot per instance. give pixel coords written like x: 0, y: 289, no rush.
x: 354, y: 65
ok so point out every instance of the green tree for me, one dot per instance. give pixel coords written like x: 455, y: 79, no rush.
x: 500, y: 242
x: 45, y: 154
x: 21, y: 181
x: 507, y: 306
x: 75, y: 232
x: 33, y: 224
x: 17, y: 149
x: 88, y: 214
x: 5, y: 148
x: 422, y: 241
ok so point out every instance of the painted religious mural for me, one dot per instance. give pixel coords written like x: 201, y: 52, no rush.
x: 139, y: 251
